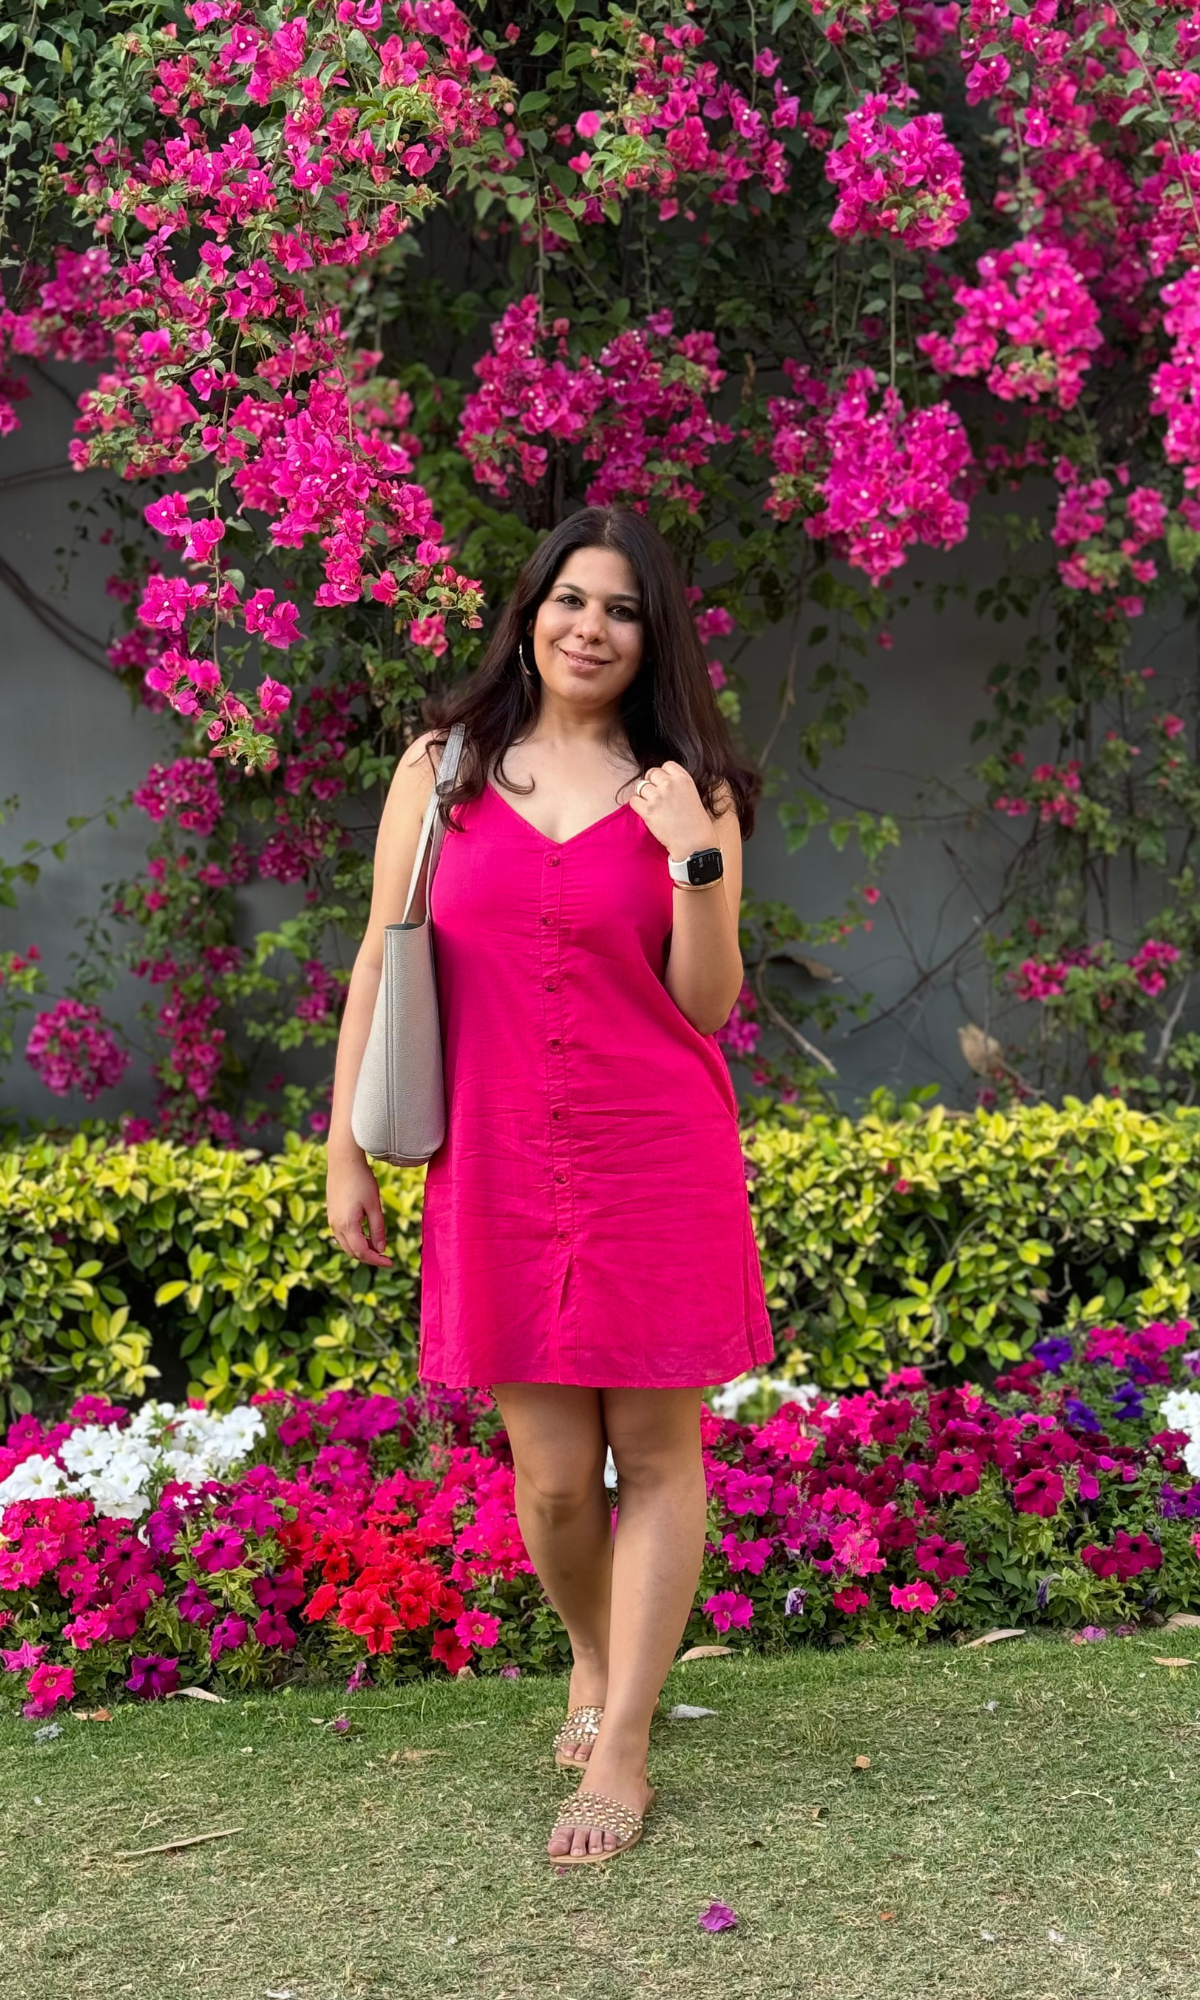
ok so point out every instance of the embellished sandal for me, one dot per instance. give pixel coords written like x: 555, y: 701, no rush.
x: 581, y: 1726
x: 594, y: 1809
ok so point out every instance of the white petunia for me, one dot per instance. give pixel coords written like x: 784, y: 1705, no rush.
x: 1180, y: 1411
x: 36, y: 1478
x: 728, y: 1401
x: 89, y: 1448
x: 120, y: 1489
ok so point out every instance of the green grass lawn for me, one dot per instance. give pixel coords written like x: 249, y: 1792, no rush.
x: 1028, y: 1829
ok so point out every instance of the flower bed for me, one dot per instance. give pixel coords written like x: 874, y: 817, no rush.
x: 367, y: 1538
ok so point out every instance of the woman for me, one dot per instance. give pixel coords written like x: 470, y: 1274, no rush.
x: 587, y: 1252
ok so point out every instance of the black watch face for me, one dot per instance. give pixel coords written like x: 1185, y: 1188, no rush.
x: 707, y: 866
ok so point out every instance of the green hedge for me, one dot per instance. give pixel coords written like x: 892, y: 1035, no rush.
x: 959, y: 1238
x: 930, y: 1238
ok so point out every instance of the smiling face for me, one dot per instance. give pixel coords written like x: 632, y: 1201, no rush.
x: 587, y: 636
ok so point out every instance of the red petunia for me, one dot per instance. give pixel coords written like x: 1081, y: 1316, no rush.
x: 369, y: 1616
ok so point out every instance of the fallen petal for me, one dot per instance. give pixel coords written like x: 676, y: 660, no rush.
x: 682, y: 1712
x: 718, y: 1917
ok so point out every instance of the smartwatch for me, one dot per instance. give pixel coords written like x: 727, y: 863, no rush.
x: 703, y: 865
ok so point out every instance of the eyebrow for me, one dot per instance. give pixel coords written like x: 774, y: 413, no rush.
x: 624, y: 596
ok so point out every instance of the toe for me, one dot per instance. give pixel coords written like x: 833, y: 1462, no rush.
x: 559, y: 1841
x: 581, y: 1843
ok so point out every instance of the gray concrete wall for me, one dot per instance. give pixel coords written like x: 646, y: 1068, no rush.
x: 70, y: 742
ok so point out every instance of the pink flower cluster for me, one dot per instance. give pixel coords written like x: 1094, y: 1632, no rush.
x: 888, y: 477
x: 1175, y: 391
x: 680, y: 98
x: 897, y: 177
x: 1031, y: 326
x: 231, y: 222
x: 72, y: 1047
x: 1046, y: 979
x: 188, y: 790
x: 740, y: 1035
x: 641, y: 409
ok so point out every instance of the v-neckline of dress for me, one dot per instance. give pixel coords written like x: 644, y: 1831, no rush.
x: 602, y: 821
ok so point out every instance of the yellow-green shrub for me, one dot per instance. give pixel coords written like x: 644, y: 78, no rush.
x: 115, y: 1261
x: 959, y: 1238
x: 927, y: 1238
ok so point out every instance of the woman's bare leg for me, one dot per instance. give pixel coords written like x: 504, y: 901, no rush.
x: 565, y: 1515
x: 657, y: 1553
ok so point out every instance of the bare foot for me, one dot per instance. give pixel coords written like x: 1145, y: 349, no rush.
x: 588, y: 1687
x: 615, y: 1774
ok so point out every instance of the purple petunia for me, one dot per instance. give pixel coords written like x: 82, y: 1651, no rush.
x: 1080, y: 1415
x: 152, y: 1676
x: 195, y: 1605
x: 1054, y: 1353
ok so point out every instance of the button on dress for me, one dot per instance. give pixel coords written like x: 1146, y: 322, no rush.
x: 586, y: 1218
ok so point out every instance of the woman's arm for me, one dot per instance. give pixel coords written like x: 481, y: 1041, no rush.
x: 351, y: 1192
x: 704, y: 968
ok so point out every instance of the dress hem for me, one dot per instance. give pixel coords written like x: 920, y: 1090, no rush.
x: 472, y: 1379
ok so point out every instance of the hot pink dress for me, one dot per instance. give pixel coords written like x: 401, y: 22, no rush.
x: 586, y: 1218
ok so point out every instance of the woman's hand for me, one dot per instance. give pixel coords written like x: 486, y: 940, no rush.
x: 354, y: 1209
x: 673, y: 810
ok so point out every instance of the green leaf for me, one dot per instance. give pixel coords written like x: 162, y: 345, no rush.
x: 171, y: 1290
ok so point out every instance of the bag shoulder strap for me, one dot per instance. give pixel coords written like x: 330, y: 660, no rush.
x: 431, y: 825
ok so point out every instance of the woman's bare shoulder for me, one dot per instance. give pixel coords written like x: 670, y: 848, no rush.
x: 416, y: 770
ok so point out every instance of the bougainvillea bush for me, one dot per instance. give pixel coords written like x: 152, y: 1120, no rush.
x: 363, y: 1538
x: 368, y: 295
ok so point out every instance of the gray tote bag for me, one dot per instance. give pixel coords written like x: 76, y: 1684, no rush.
x: 399, y: 1109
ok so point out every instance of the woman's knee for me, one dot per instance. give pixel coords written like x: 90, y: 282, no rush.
x: 556, y: 1434
x: 559, y: 1488
x: 655, y: 1437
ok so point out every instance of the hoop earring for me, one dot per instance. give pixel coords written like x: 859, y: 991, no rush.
x: 527, y: 670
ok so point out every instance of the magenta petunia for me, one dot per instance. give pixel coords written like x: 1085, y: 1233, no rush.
x: 728, y: 1608
x: 914, y: 1597
x: 478, y: 1628
x: 47, y: 1687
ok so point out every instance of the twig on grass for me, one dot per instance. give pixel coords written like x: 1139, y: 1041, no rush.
x: 167, y: 1846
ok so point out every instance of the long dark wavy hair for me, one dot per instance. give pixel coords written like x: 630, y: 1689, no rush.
x: 668, y: 709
